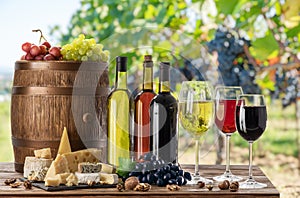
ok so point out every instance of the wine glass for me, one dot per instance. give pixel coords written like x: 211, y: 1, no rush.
x: 225, y: 102
x: 196, y: 115
x: 251, y: 120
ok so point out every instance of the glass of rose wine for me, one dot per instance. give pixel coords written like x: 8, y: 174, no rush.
x: 196, y: 115
x: 225, y: 102
x: 251, y: 121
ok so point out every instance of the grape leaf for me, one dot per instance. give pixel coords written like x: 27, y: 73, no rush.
x: 264, y: 48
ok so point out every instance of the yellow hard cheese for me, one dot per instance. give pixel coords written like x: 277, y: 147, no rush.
x: 68, y: 162
x: 43, y: 153
x: 106, y: 178
x: 64, y: 146
x: 52, y: 181
x: 106, y: 168
x: 87, y: 155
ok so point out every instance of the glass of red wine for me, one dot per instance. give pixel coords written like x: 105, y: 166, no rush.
x: 225, y: 102
x: 251, y: 121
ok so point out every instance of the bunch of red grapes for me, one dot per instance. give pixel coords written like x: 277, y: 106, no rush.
x: 41, y: 52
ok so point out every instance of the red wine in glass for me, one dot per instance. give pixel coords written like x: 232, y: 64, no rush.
x: 225, y: 103
x: 251, y: 123
x: 224, y: 118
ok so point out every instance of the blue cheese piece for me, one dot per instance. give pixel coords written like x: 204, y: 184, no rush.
x: 87, y: 167
x: 34, y: 164
x: 85, y: 178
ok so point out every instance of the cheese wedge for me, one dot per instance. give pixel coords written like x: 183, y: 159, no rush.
x: 63, y: 177
x: 43, y: 153
x: 33, y: 164
x: 72, y: 180
x: 106, y: 168
x: 86, y: 155
x: 64, y: 146
x: 59, y: 165
x: 106, y: 178
x: 52, y: 181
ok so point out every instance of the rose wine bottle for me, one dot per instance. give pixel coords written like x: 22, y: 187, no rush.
x: 163, y: 116
x: 118, y: 133
x: 142, y: 111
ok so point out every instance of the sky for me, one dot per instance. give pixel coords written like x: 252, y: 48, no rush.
x: 19, y: 17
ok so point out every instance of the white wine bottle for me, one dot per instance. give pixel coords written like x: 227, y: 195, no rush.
x: 118, y: 133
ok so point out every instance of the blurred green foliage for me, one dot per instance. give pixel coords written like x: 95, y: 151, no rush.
x: 175, y: 30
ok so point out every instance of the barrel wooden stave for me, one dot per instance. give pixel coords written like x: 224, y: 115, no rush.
x: 38, y: 117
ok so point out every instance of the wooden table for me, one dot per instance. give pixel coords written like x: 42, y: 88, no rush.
x: 7, y: 171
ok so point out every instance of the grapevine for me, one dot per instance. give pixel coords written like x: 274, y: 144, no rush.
x: 234, y: 66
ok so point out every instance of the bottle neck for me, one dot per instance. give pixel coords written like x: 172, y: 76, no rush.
x: 121, y: 80
x: 148, y: 78
x: 164, y: 81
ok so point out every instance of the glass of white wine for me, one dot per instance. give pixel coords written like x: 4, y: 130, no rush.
x: 196, y: 111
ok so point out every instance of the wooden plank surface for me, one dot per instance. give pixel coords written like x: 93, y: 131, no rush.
x: 7, y: 171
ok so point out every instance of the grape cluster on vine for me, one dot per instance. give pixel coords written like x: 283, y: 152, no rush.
x: 234, y: 66
x: 286, y: 82
x: 82, y: 49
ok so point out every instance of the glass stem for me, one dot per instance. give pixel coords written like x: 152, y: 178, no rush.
x: 250, y: 161
x: 197, y: 156
x: 227, y: 153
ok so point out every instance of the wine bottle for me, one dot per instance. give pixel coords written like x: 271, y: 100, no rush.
x: 163, y: 119
x: 142, y: 110
x: 118, y: 133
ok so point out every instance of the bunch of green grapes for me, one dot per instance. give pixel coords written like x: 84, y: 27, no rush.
x: 82, y: 49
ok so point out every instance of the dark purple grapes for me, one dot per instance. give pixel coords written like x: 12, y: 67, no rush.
x: 181, y: 172
x: 155, y: 171
x: 180, y: 181
x: 167, y: 177
x: 173, y: 174
x: 172, y: 181
x: 188, y: 176
x: 167, y: 168
x: 160, y: 182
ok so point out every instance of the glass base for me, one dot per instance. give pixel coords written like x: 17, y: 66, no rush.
x: 197, y: 178
x: 227, y: 176
x: 251, y: 183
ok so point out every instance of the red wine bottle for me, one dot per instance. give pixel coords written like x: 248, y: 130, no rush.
x: 163, y: 119
x: 142, y: 111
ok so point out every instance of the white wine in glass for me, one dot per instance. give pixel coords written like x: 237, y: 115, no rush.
x: 196, y: 111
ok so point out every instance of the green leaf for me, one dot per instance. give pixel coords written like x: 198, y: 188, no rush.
x: 264, y: 48
x: 293, y: 32
x: 226, y: 6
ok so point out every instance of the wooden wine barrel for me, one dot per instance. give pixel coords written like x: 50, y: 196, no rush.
x: 50, y: 95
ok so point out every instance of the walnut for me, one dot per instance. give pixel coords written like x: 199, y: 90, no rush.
x: 120, y: 187
x: 224, y: 185
x: 234, y: 186
x: 131, y: 183
x: 142, y: 187
x: 10, y: 181
x: 209, y: 186
x: 201, y: 184
x: 27, y: 184
x: 173, y: 187
x: 15, y: 185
